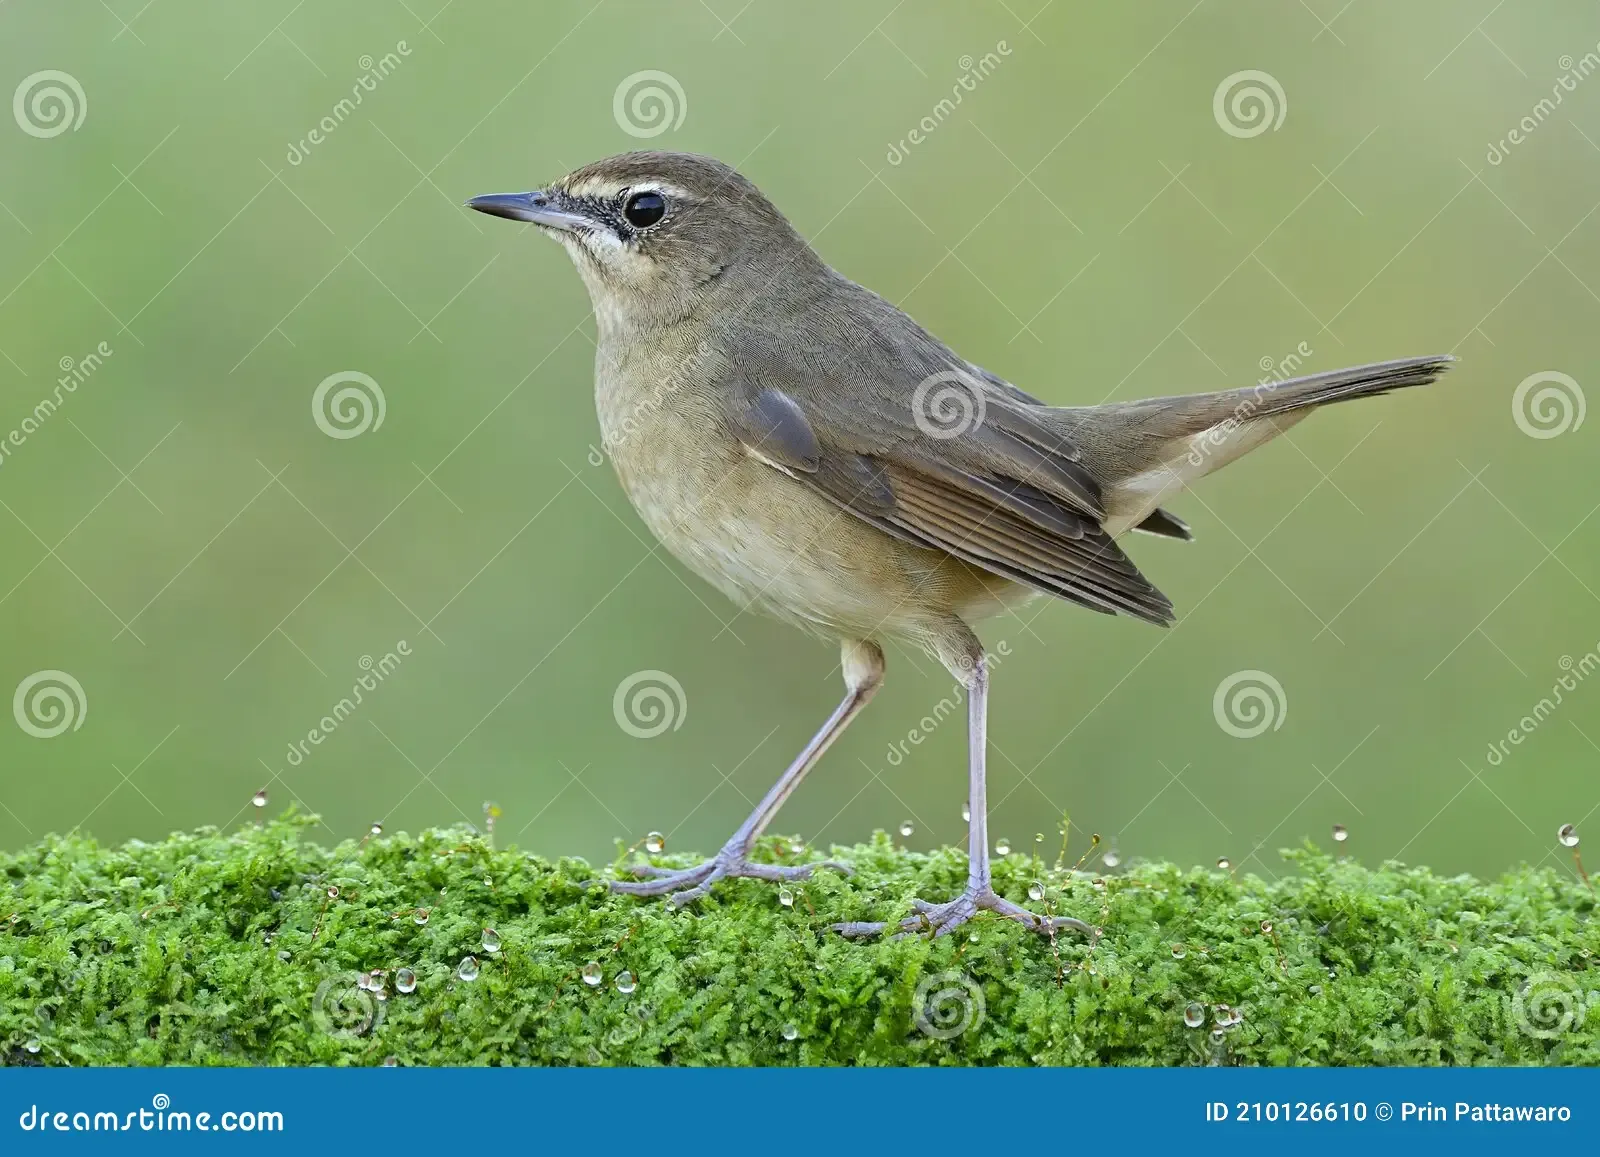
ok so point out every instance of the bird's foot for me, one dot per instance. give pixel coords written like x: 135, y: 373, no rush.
x: 942, y: 919
x: 682, y: 886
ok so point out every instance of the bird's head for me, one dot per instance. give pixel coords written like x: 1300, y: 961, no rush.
x: 652, y: 232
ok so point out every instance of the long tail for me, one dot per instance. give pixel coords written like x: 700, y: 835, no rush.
x: 1186, y: 414
x: 1146, y: 451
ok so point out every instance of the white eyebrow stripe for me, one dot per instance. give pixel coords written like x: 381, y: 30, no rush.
x: 600, y: 187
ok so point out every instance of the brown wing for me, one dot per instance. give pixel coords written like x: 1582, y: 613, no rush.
x: 1010, y: 499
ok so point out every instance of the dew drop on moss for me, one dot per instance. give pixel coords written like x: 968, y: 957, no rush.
x: 1112, y: 857
x: 1340, y: 833
x: 593, y: 974
x: 1266, y: 927
x: 626, y: 982
x: 405, y: 980
x: 420, y: 917
x: 376, y: 829
x: 789, y: 1033
x: 491, y: 941
x: 906, y: 828
x: 391, y: 1062
x: 1179, y: 952
x: 333, y: 892
x: 467, y: 969
x: 1036, y: 891
x: 966, y: 813
x: 655, y: 843
x: 785, y: 896
x: 1568, y: 835
x: 1224, y: 863
x: 260, y: 798
x: 1194, y: 1015
x: 1002, y: 847
x: 1224, y: 1015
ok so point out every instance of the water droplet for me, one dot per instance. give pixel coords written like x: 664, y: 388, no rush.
x: 1340, y: 834
x: 1266, y: 926
x: 32, y: 1046
x: 488, y: 881
x: 405, y: 980
x: 785, y: 896
x: 906, y: 828
x: 797, y: 845
x: 1568, y: 835
x: 626, y: 982
x: 966, y: 813
x: 333, y: 892
x: 1038, y: 837
x: 491, y: 941
x: 260, y: 798
x: 655, y: 843
x: 1179, y: 952
x: 1218, y: 1036
x: 593, y: 974
x: 467, y: 969
x: 1224, y: 863
x: 377, y: 828
x: 1194, y: 1015
x: 1099, y: 884
x: 1002, y: 847
x: 1036, y: 891
x: 391, y: 1062
x: 1112, y: 857
x: 1224, y: 1015
x: 285, y: 955
x: 420, y: 917
x: 789, y: 1033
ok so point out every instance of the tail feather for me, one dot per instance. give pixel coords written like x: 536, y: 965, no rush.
x: 1147, y: 451
x: 1187, y: 414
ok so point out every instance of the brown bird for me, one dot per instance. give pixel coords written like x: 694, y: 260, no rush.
x: 814, y: 453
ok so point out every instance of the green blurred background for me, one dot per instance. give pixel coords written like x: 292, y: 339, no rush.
x: 183, y: 539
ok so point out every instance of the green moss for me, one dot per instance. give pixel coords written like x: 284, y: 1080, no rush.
x: 208, y: 948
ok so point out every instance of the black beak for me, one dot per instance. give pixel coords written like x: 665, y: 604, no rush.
x: 536, y: 208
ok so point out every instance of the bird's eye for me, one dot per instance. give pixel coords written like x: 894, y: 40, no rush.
x: 644, y: 209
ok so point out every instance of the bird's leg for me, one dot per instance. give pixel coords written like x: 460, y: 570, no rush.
x: 863, y: 673
x: 979, y: 895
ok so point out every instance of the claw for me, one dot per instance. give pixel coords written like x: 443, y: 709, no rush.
x: 686, y: 885
x: 943, y: 919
